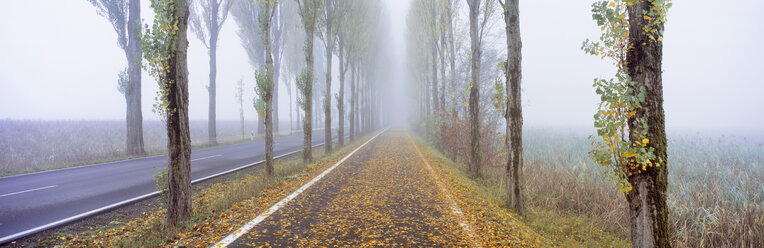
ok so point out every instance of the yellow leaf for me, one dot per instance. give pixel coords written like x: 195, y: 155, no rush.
x: 612, y: 4
x: 628, y: 155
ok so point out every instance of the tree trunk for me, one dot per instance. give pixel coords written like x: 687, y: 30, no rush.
x: 241, y: 118
x: 307, y: 126
x: 647, y: 199
x: 341, y: 101
x: 475, y: 159
x: 434, y: 64
x: 134, y: 116
x: 261, y: 119
x: 442, y: 54
x: 514, y: 111
x: 352, y: 101
x: 211, y: 89
x: 178, y: 135
x: 297, y: 110
x: 268, y: 95
x: 328, y: 96
x: 276, y: 74
x: 291, y: 124
x: 426, y: 87
x: 452, y: 52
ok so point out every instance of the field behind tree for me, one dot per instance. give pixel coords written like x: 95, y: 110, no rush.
x: 715, y: 193
x: 31, y: 145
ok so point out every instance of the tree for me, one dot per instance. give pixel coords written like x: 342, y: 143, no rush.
x: 450, y: 17
x: 278, y: 47
x: 433, y: 37
x: 240, y: 98
x: 246, y: 15
x: 207, y: 18
x: 264, y: 77
x: 292, y: 54
x: 164, y: 47
x: 476, y: 37
x: 329, y: 17
x: 514, y: 110
x: 345, y: 29
x: 307, y: 9
x: 124, y: 16
x: 630, y: 122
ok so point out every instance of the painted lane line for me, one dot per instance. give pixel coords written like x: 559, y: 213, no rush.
x: 454, y: 207
x: 29, y: 190
x: 21, y: 234
x: 252, y: 223
x: 206, y: 157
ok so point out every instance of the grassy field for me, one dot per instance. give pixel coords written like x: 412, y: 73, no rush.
x: 33, y: 145
x: 715, y: 195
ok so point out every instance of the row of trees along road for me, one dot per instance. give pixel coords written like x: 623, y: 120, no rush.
x: 630, y: 120
x: 348, y: 26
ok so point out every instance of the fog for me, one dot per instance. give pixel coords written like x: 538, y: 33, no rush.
x: 60, y: 59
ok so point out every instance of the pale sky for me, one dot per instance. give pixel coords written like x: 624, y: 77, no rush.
x: 59, y: 60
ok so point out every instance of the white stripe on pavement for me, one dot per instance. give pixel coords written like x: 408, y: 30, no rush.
x: 206, y: 157
x: 29, y: 190
x: 252, y: 223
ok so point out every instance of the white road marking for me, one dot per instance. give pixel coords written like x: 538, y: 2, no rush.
x: 206, y: 157
x: 98, y: 210
x: 454, y: 207
x: 29, y: 190
x: 252, y: 223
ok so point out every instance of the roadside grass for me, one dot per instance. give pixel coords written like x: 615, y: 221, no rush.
x: 715, y: 192
x: 219, y: 208
x: 499, y: 226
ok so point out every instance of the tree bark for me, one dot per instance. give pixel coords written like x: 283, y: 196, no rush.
x: 474, y: 98
x: 297, y: 110
x: 452, y: 52
x: 648, y: 211
x: 277, y: 58
x: 426, y: 87
x: 352, y: 101
x: 341, y: 101
x: 268, y: 95
x: 514, y: 111
x: 328, y: 96
x: 434, y: 64
x: 178, y: 135
x: 211, y: 89
x: 308, y: 14
x: 276, y: 75
x: 134, y: 116
x: 441, y: 54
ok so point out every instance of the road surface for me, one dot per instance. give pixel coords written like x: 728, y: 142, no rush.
x: 383, y: 194
x: 38, y: 201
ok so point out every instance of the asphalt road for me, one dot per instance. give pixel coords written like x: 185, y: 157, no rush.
x: 34, y: 202
x: 383, y: 194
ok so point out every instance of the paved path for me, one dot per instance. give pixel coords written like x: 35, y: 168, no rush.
x: 383, y: 194
x: 34, y: 202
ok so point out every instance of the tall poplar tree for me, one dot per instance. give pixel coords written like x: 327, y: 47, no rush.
x: 165, y: 47
x: 514, y: 111
x: 207, y: 18
x: 307, y: 10
x: 124, y: 16
x: 630, y: 121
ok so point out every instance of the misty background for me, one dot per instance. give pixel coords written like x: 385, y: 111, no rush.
x: 59, y: 61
